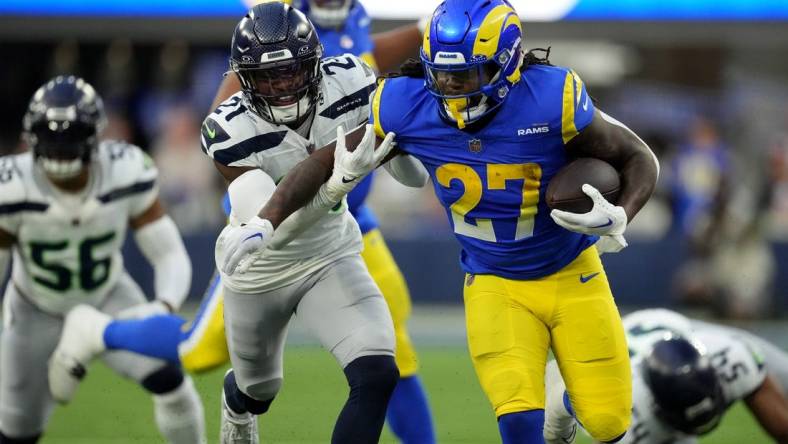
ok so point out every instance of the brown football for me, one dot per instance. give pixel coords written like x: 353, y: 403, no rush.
x: 564, y: 192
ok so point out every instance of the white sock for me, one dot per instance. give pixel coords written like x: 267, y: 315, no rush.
x: 180, y: 415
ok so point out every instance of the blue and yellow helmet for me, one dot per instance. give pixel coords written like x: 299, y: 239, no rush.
x: 472, y: 56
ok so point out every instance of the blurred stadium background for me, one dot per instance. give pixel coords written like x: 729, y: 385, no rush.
x: 704, y: 82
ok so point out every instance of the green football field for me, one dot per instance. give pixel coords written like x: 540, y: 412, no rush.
x: 108, y: 409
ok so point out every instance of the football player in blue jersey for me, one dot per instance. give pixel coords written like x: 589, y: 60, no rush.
x: 534, y: 279
x: 343, y: 27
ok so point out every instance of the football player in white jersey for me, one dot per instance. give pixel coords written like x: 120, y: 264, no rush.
x: 290, y: 103
x: 65, y: 208
x: 686, y: 373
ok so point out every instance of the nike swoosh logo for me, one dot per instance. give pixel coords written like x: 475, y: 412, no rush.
x: 346, y: 180
x: 585, y: 104
x: 260, y: 235
x: 584, y: 279
x: 211, y: 131
x: 609, y: 223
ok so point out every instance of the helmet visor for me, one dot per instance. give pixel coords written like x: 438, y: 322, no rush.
x: 461, y: 81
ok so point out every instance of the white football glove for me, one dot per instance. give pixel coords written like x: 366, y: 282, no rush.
x: 350, y: 168
x: 244, y: 244
x: 605, y: 219
x: 139, y: 311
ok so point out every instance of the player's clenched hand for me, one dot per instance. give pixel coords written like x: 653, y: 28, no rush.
x: 351, y: 167
x: 364, y: 158
x: 604, y: 219
x: 243, y: 244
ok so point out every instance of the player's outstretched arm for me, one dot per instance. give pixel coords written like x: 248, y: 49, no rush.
x: 319, y: 181
x: 610, y: 140
x: 160, y: 242
x: 770, y: 408
x: 330, y: 172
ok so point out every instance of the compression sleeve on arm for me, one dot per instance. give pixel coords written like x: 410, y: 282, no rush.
x: 250, y: 191
x: 407, y: 170
x: 161, y: 243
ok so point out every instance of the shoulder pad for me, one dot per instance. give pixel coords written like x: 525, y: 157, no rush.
x: 392, y: 101
x: 738, y: 363
x: 226, y: 134
x: 348, y: 73
x: 565, y: 88
x: 12, y: 183
x: 127, y: 164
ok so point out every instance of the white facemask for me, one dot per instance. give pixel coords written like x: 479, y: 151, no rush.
x: 61, y: 169
x: 329, y: 17
x: 290, y: 113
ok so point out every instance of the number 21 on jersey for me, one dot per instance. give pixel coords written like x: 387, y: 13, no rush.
x: 497, y: 176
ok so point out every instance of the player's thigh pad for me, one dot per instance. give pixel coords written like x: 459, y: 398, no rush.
x: 345, y: 310
x: 256, y: 329
x: 29, y: 337
x: 387, y: 275
x: 590, y: 346
x: 205, y: 346
x: 125, y: 294
x: 508, y: 339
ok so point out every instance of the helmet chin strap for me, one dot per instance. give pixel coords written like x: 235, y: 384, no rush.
x: 61, y: 169
x: 456, y: 108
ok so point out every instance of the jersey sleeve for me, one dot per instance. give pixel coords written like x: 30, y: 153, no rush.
x: 142, y: 184
x: 382, y: 113
x: 228, y: 136
x: 577, y: 108
x: 739, y: 365
x: 12, y: 196
x: 349, y: 83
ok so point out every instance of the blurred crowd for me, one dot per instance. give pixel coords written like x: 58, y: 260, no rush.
x: 723, y: 148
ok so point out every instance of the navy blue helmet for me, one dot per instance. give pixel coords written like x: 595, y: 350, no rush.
x: 685, y: 386
x: 62, y: 125
x: 276, y: 54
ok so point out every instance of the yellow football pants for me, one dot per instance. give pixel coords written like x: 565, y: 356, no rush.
x: 512, y: 323
x: 387, y: 275
x: 206, y: 346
